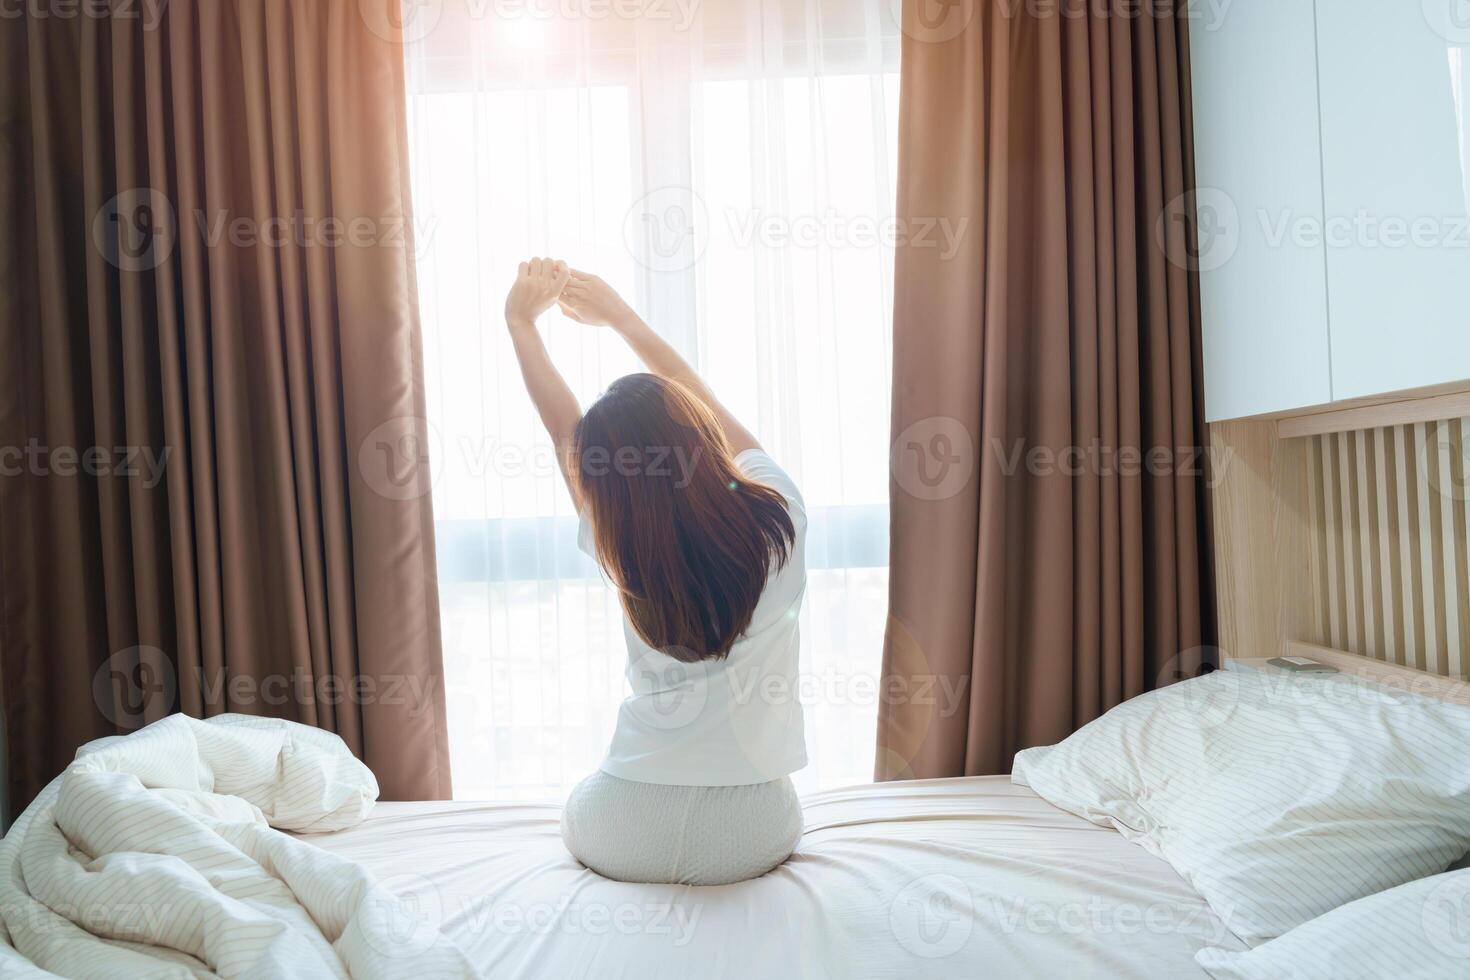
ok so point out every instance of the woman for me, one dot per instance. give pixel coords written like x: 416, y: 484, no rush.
x: 703, y: 536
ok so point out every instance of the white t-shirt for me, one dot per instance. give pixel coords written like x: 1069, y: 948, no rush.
x: 727, y: 722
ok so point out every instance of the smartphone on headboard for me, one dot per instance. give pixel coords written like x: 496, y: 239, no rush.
x: 1301, y: 665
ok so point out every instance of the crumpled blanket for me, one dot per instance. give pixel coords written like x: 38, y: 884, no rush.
x: 161, y: 854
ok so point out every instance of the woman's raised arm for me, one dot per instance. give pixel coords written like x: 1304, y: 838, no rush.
x: 538, y: 284
x: 587, y: 299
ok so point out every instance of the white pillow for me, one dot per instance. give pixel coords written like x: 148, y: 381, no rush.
x: 1277, y: 796
x: 1418, y: 931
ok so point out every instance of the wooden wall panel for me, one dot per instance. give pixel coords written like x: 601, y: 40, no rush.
x: 1266, y: 578
x: 1390, y: 538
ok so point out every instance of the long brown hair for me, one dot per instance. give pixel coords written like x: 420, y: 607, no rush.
x: 685, y: 536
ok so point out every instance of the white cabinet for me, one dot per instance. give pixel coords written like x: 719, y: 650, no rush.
x: 1395, y: 97
x: 1264, y: 300
x: 1336, y: 137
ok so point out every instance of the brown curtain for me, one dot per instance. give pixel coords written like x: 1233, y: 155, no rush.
x: 212, y: 495
x: 1050, y: 547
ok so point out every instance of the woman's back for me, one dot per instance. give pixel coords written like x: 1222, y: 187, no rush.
x: 721, y: 721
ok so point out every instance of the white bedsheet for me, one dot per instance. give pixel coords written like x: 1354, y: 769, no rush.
x: 937, y: 878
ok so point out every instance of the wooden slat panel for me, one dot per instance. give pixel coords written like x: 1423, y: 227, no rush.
x: 1424, y: 543
x: 1336, y: 591
x: 1323, y: 580
x: 1383, y: 548
x: 1403, y: 573
x: 1349, y: 569
x: 1452, y: 582
x: 1390, y: 543
x: 1367, y: 568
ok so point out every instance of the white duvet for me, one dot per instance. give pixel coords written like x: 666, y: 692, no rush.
x: 160, y: 854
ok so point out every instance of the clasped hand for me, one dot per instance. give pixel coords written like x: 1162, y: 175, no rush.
x: 583, y: 297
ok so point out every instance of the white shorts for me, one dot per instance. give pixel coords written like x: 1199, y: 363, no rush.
x: 686, y: 835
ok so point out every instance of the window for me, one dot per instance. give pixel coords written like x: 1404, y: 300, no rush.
x: 734, y: 178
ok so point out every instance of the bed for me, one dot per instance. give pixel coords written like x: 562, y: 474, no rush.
x: 933, y: 878
x: 1218, y: 825
x: 1319, y: 812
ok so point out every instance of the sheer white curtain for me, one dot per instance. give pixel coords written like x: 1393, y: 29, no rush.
x: 729, y: 166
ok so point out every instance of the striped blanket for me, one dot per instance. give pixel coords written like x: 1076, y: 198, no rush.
x: 161, y: 854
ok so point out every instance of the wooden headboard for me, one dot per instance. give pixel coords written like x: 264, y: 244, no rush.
x: 1389, y: 675
x: 1347, y: 527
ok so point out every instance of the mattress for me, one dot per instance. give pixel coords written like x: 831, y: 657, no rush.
x: 932, y: 878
